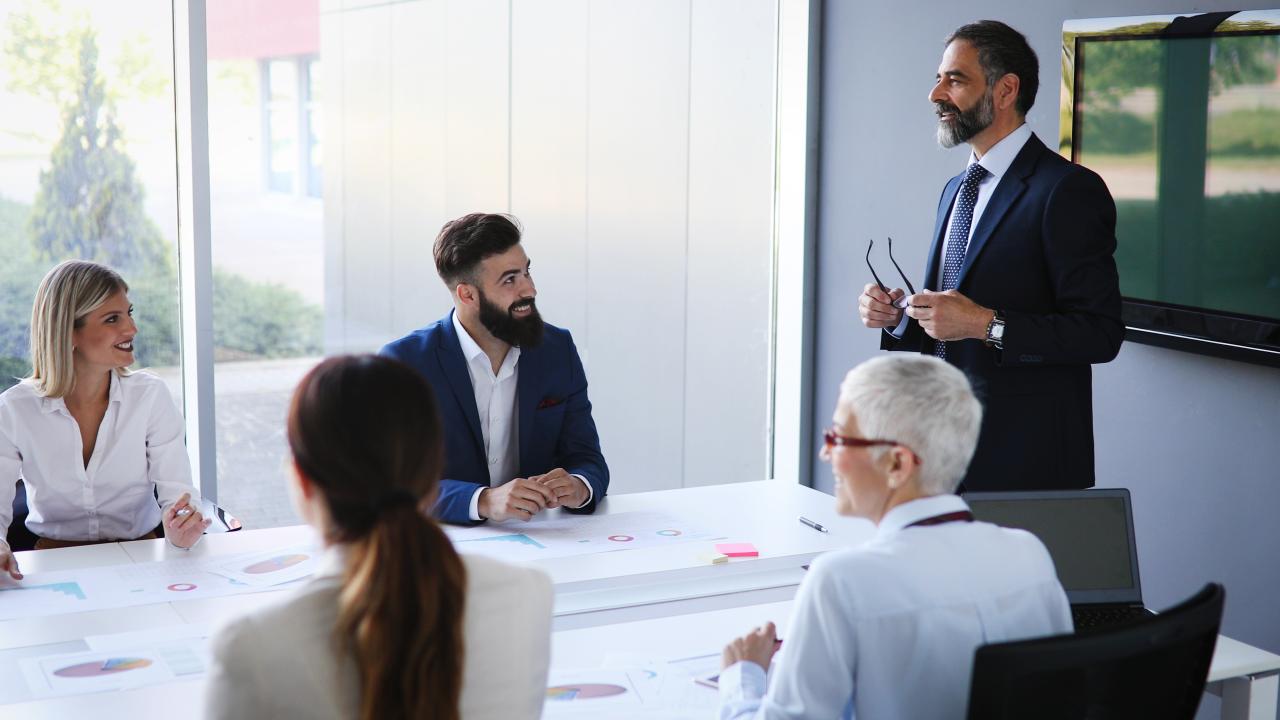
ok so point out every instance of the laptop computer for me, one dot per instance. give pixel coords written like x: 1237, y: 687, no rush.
x: 1089, y: 535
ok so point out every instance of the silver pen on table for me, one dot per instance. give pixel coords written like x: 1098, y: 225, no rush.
x: 812, y: 524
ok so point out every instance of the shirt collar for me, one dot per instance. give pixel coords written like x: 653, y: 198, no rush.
x: 1002, y: 154
x: 333, y: 562
x: 471, y: 349
x: 906, y: 513
x: 115, y: 393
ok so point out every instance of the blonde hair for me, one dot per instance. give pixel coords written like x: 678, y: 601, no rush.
x: 67, y: 294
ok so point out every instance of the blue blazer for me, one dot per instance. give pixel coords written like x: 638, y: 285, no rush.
x: 1042, y: 254
x: 553, y: 414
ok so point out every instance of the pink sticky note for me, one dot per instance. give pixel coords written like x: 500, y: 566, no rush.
x: 734, y: 550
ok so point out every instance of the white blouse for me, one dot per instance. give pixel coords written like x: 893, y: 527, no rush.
x: 139, y: 450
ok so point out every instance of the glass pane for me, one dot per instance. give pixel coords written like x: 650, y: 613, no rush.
x: 637, y: 151
x: 282, y: 122
x: 87, y: 158
x: 268, y: 250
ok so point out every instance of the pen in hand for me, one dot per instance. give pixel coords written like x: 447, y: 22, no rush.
x: 812, y: 524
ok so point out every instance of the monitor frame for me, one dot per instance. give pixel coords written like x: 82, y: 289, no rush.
x: 1080, y: 597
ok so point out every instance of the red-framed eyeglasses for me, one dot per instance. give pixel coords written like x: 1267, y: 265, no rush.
x: 831, y: 438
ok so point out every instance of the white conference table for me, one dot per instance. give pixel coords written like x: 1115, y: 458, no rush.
x: 660, y: 602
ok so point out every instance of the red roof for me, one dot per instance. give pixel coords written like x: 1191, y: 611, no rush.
x: 261, y: 29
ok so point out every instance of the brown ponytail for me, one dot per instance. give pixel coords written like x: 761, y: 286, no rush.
x: 365, y: 432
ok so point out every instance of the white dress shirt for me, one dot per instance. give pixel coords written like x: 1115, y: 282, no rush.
x: 139, y: 450
x: 279, y: 662
x: 996, y: 162
x: 496, y: 403
x: 887, y: 630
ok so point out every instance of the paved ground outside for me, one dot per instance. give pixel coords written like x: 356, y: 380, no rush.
x: 251, y: 400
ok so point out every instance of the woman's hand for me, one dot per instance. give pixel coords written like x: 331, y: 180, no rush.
x: 9, y: 563
x: 757, y: 646
x: 183, y: 524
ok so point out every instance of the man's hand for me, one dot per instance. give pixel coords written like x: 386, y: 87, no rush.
x: 521, y: 498
x: 877, y: 309
x: 9, y: 563
x: 949, y: 315
x: 183, y: 524
x: 757, y: 646
x: 569, y: 491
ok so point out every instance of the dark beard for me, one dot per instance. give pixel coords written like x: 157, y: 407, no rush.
x: 967, y: 123
x: 521, y: 332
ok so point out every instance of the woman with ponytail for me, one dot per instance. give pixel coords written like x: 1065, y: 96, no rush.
x: 396, y: 624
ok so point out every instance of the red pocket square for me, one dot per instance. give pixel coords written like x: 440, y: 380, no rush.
x: 549, y: 402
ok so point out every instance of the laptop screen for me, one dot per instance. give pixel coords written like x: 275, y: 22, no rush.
x: 1089, y: 535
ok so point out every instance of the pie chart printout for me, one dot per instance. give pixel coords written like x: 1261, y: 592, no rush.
x: 586, y: 691
x: 111, y: 666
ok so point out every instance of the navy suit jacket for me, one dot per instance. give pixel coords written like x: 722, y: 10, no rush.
x: 1043, y: 255
x: 553, y: 414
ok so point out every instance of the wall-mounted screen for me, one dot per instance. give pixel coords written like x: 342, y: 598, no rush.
x: 1181, y: 117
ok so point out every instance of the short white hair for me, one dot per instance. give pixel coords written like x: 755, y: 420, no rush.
x: 923, y: 403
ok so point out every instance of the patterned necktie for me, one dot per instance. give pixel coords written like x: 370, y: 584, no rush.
x: 958, y: 238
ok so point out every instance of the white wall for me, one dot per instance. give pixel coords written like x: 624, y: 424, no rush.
x: 634, y: 140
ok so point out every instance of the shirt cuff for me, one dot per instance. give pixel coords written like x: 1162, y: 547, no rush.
x: 742, y: 686
x: 590, y: 492
x: 475, y: 504
x: 901, y: 327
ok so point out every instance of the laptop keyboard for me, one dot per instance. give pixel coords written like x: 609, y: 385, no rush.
x: 1095, y: 617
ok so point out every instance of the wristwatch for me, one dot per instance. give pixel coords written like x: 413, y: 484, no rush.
x: 995, y: 331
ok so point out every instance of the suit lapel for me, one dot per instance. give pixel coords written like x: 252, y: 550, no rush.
x: 1011, y: 187
x: 939, y: 229
x: 455, y: 369
x: 528, y: 394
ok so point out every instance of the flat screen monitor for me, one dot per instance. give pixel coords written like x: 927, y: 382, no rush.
x: 1088, y: 533
x: 1180, y: 115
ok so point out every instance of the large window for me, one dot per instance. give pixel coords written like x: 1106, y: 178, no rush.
x: 87, y: 156
x: 637, y: 142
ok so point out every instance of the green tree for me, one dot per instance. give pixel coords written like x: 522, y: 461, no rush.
x: 89, y: 204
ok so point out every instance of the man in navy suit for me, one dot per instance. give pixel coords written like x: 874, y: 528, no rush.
x: 519, y: 437
x: 1021, y: 289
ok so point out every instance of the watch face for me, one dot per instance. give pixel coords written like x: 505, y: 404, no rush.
x: 997, y: 330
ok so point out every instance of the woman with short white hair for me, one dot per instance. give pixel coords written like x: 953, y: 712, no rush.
x: 888, y: 629
x: 94, y: 443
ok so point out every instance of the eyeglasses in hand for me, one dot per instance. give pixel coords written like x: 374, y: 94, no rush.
x: 901, y: 302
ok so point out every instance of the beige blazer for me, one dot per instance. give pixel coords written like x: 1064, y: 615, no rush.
x: 278, y: 662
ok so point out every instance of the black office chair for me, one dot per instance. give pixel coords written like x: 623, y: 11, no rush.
x: 1155, y: 668
x: 20, y: 538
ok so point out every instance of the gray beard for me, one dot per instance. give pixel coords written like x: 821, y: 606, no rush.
x: 968, y: 122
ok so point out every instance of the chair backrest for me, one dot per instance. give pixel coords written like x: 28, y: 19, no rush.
x: 1152, y: 668
x: 19, y: 537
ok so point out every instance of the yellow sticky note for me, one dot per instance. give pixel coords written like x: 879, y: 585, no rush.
x: 713, y: 558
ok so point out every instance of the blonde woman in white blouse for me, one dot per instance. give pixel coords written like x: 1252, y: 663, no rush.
x: 94, y: 443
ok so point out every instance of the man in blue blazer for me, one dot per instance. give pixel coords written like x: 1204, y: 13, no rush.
x: 519, y: 437
x: 1021, y: 289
